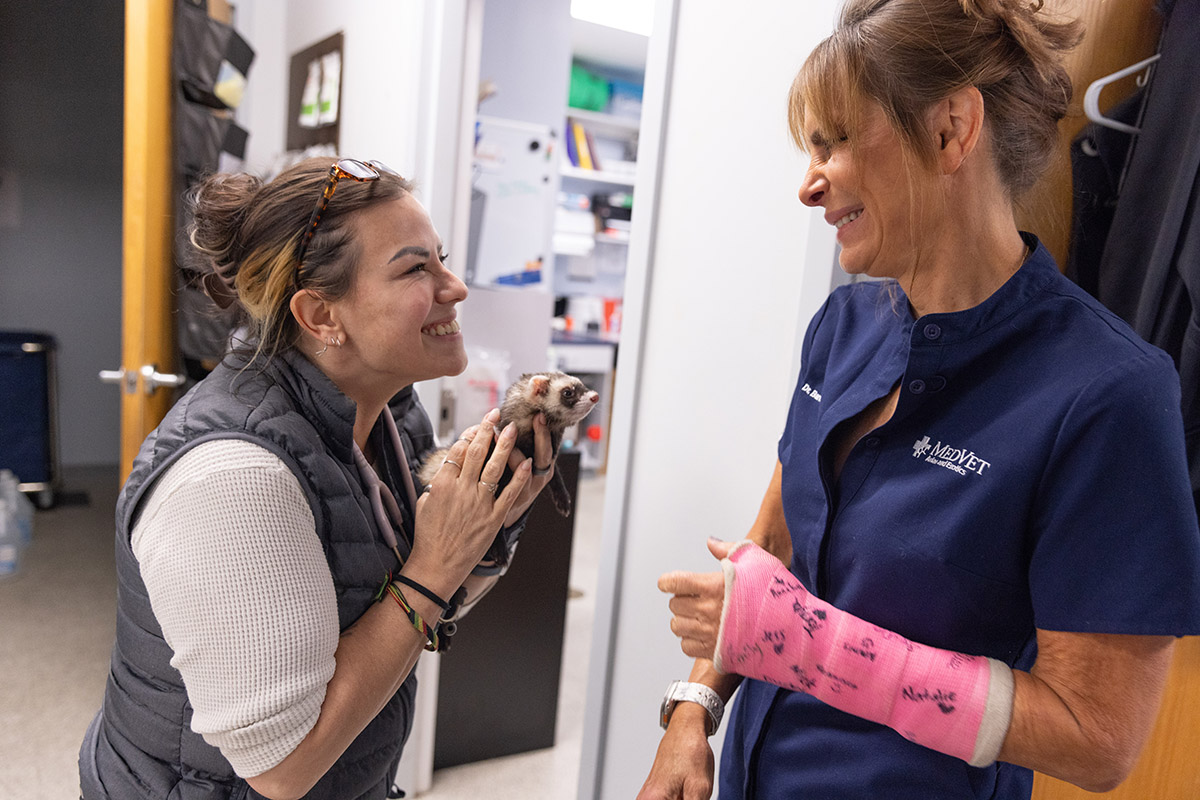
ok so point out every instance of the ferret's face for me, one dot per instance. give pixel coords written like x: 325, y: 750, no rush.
x: 571, y: 399
x: 563, y: 398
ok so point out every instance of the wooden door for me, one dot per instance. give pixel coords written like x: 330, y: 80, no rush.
x: 1169, y: 768
x: 147, y: 332
x: 1117, y: 35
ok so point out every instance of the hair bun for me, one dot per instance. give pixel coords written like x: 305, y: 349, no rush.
x: 219, y: 205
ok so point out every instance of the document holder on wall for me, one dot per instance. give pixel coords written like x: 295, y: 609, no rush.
x: 301, y: 137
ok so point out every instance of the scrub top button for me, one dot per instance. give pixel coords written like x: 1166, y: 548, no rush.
x: 917, y: 386
x: 932, y: 331
x: 937, y: 383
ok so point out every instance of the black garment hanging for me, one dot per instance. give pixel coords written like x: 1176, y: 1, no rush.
x: 1098, y: 157
x: 1150, y: 270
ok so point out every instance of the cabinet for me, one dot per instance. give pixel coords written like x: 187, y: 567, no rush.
x: 499, y: 684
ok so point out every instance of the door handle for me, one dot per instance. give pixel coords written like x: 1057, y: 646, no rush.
x: 126, y: 380
x: 153, y: 379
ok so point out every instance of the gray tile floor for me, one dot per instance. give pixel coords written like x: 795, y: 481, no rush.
x: 56, y: 630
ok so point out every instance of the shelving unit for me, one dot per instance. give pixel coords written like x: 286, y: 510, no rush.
x: 592, y: 275
x: 591, y: 250
x: 601, y: 271
x: 606, y: 124
x: 598, y: 176
x: 614, y: 139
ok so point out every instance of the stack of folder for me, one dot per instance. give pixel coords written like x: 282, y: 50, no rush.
x: 581, y: 148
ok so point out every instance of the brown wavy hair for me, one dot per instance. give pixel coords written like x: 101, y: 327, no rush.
x: 249, y: 233
x: 905, y: 55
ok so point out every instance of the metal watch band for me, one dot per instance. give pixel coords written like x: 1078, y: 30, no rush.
x: 684, y: 691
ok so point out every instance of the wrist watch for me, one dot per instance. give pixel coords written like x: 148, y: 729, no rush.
x: 692, y: 693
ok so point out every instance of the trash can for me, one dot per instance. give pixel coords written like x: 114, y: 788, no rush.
x: 29, y: 424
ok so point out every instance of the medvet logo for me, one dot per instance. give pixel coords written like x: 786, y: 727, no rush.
x: 955, y: 459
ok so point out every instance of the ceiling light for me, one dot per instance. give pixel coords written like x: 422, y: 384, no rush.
x: 635, y: 16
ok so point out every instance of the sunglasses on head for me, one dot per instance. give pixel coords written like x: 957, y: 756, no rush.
x: 361, y: 171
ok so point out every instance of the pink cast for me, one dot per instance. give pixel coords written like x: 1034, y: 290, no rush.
x: 774, y: 630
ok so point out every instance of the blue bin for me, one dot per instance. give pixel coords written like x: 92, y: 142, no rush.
x: 29, y: 413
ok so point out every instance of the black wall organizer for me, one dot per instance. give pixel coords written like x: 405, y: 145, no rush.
x: 203, y: 128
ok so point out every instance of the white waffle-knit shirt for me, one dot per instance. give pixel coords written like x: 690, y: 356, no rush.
x: 238, y: 581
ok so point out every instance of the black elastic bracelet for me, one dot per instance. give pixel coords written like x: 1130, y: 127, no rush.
x: 442, y: 604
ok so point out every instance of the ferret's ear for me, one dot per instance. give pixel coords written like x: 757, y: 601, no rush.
x: 540, y: 384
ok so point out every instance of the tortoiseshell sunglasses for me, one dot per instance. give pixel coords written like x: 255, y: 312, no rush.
x: 361, y: 171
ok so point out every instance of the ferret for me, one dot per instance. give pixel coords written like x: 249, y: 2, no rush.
x: 562, y: 398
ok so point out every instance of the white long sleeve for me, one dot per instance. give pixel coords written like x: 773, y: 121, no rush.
x: 239, y: 583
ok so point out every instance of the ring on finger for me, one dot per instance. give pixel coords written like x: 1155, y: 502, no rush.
x: 452, y: 461
x: 491, y: 487
x: 542, y: 470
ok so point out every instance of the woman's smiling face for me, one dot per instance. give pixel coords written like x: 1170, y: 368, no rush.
x: 400, y: 317
x: 867, y: 189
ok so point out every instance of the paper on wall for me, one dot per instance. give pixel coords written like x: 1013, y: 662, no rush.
x: 331, y: 77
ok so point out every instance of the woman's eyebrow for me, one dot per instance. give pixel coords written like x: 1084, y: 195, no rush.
x: 411, y: 250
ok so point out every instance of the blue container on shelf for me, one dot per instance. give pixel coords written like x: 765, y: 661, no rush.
x: 625, y: 99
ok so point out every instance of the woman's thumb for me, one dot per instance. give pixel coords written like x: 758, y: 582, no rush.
x: 719, y: 548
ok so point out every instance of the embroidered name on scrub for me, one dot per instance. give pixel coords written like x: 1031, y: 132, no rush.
x: 811, y: 392
x: 955, y: 459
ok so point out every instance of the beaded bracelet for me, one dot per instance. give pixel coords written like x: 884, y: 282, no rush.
x: 423, y: 628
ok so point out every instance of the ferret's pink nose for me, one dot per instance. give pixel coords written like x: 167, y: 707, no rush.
x: 594, y: 397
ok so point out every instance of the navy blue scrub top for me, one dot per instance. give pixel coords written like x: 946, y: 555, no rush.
x: 1032, y: 476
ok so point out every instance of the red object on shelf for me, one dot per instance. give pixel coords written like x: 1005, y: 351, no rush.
x: 595, y: 433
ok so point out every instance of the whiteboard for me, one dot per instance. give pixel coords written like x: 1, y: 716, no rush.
x: 516, y: 172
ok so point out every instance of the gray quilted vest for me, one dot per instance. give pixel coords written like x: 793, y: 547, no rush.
x: 141, y: 744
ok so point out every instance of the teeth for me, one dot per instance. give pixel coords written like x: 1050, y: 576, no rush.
x: 853, y: 215
x: 442, y: 329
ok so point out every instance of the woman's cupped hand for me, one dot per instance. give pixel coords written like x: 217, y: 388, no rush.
x: 461, y: 511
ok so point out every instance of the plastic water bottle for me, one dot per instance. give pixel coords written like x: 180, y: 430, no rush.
x: 16, y: 524
x: 10, y: 541
x: 18, y: 504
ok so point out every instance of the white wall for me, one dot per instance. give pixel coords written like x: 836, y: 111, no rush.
x: 735, y: 269
x: 263, y: 111
x: 381, y: 69
x: 527, y: 55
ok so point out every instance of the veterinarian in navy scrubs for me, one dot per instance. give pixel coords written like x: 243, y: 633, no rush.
x: 280, y: 570
x: 981, y: 492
